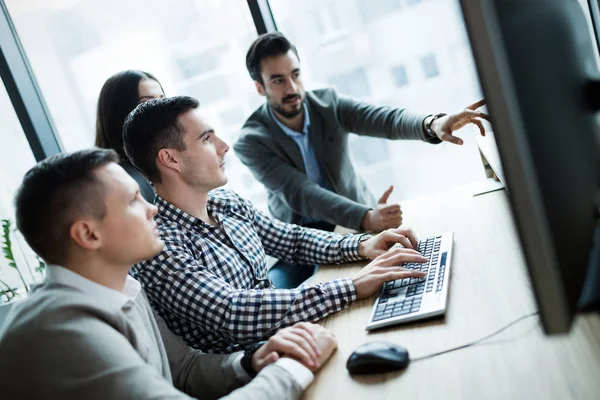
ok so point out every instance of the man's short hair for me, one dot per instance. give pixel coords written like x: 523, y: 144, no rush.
x: 267, y: 45
x: 54, y: 194
x: 152, y: 126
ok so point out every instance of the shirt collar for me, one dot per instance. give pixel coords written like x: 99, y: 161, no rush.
x: 288, y: 131
x: 167, y: 210
x: 170, y: 211
x: 104, y: 295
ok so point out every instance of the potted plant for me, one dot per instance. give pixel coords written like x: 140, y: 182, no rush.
x: 10, y: 292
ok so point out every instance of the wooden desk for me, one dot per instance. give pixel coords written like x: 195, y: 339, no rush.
x: 489, y: 288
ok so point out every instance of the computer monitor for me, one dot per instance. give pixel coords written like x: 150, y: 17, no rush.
x: 535, y: 60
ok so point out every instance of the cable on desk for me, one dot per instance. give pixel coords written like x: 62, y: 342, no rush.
x: 464, y: 346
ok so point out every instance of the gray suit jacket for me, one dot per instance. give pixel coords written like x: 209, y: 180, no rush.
x: 62, y: 344
x: 275, y: 159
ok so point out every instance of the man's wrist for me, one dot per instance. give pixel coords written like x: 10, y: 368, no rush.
x: 432, y: 125
x: 365, y: 225
x: 361, y: 245
x: 246, y: 361
x: 425, y: 126
x: 239, y: 371
x: 299, y: 372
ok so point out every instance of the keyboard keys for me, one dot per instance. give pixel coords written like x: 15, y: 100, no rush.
x: 415, y: 290
x: 398, y: 308
x: 403, y: 297
x: 379, y: 317
x: 400, y: 312
x: 416, y: 280
x: 440, y: 281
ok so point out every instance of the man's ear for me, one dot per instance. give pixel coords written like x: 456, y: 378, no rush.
x: 260, y: 88
x: 86, y: 234
x: 168, y: 159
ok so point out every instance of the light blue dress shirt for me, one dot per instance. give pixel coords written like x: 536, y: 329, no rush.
x: 308, y: 154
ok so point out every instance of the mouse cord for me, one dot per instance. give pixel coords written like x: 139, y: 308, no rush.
x: 478, y: 341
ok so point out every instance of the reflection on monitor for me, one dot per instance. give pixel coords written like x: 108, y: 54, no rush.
x: 534, y: 58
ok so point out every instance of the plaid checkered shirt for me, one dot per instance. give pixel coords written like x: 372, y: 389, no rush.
x: 210, y: 283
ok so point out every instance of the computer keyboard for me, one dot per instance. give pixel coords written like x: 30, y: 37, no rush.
x: 412, y: 299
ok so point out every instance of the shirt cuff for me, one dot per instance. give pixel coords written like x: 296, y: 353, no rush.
x: 342, y: 293
x: 302, y: 375
x: 349, y: 248
x: 238, y: 370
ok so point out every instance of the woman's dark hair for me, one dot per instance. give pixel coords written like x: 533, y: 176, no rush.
x: 118, y: 97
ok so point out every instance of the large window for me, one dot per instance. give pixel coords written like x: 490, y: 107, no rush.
x: 403, y: 53
x: 15, y: 159
x: 430, y: 66
x: 194, y: 47
x: 400, y: 76
x: 354, y: 83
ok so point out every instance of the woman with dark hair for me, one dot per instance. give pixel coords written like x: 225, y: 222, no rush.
x: 120, y: 94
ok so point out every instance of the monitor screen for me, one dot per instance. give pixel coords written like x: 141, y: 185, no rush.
x: 535, y: 59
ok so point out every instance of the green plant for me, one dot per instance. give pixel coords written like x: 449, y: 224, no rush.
x: 8, y: 232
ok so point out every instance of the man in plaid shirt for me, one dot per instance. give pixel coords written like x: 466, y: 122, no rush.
x: 210, y: 281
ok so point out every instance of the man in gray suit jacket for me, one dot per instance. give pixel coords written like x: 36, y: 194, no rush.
x: 88, y: 332
x: 297, y: 143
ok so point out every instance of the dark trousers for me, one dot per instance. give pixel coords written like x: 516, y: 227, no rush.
x: 289, y: 276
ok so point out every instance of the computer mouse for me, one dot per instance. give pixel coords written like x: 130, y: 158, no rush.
x: 377, y: 357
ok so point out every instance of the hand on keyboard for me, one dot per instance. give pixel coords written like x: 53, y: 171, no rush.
x: 386, y: 268
x: 379, y: 244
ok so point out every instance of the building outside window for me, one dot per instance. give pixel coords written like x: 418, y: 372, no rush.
x: 353, y: 83
x: 429, y: 66
x: 400, y: 76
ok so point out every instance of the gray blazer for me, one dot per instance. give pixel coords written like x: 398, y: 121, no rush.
x: 275, y: 159
x: 62, y: 344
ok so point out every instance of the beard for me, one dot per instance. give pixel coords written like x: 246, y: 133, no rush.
x: 279, y: 107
